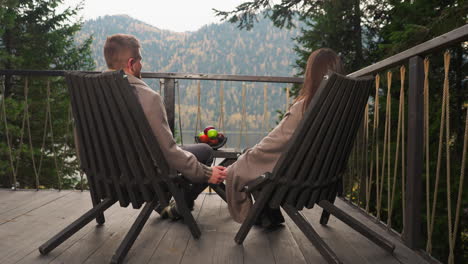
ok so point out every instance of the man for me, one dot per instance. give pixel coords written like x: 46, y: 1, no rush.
x: 122, y: 52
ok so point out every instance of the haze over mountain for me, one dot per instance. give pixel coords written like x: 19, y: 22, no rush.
x: 216, y: 49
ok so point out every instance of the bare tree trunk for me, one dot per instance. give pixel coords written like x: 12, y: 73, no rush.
x: 359, y: 59
x: 8, y: 65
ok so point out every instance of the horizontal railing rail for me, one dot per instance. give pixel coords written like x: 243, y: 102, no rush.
x: 169, y: 82
x: 180, y: 76
x: 443, y: 41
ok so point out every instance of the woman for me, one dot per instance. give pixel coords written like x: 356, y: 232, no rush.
x: 263, y: 157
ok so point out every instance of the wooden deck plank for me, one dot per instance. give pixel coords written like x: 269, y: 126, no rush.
x: 111, y: 237
x: 23, y: 235
x: 331, y: 234
x: 257, y: 248
x: 310, y: 253
x: 22, y: 202
x: 363, y: 246
x: 285, y: 248
x: 226, y: 250
x: 36, y: 258
x: 402, y: 253
x: 151, y: 235
x: 208, y: 221
x: 172, y: 247
x: 165, y: 241
x: 95, y: 238
x: 10, y: 199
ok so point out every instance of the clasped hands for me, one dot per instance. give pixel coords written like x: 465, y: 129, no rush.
x: 218, y: 175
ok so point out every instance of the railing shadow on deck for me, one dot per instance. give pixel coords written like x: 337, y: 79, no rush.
x: 370, y: 172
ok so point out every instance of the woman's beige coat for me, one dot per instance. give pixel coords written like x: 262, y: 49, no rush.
x: 258, y: 160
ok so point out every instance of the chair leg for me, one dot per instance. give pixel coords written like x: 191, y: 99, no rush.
x: 252, y: 216
x: 356, y: 225
x: 75, y: 226
x: 311, y: 234
x: 220, y: 189
x: 100, y: 220
x: 325, y: 214
x: 162, y: 202
x: 178, y: 195
x: 324, y: 217
x: 134, y: 231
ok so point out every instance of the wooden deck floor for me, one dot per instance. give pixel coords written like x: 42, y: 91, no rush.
x: 29, y: 218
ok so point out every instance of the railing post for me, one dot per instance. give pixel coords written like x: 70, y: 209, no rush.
x: 413, y: 212
x: 169, y: 101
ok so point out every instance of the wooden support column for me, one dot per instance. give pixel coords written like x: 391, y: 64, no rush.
x: 412, y: 222
x: 169, y: 102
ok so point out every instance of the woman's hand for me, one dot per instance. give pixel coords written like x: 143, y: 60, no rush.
x: 218, y: 175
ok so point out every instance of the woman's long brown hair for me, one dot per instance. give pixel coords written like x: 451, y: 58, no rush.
x: 319, y: 63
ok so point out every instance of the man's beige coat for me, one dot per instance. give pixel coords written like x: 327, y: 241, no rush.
x: 179, y: 159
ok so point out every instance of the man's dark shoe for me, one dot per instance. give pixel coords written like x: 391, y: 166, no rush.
x: 171, y: 212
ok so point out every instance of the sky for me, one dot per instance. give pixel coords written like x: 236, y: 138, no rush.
x: 175, y: 15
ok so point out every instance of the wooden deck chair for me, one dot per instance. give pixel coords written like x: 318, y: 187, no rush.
x: 120, y: 156
x: 310, y: 170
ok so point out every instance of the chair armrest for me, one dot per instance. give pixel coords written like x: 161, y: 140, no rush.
x: 257, y: 183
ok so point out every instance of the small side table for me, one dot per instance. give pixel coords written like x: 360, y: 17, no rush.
x: 228, y: 156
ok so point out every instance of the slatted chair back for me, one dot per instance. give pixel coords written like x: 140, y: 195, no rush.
x: 310, y: 170
x: 120, y: 156
x: 117, y: 149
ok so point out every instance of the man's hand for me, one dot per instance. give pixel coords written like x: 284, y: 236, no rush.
x: 218, y: 175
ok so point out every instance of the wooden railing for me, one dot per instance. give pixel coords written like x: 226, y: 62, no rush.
x: 381, y: 160
x: 169, y: 81
x: 360, y: 186
x: 24, y: 153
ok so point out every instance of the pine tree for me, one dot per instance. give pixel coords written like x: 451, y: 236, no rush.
x: 35, y: 36
x: 409, y: 24
x: 334, y: 24
x: 337, y: 25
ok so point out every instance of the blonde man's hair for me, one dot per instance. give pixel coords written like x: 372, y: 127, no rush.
x: 119, y: 48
